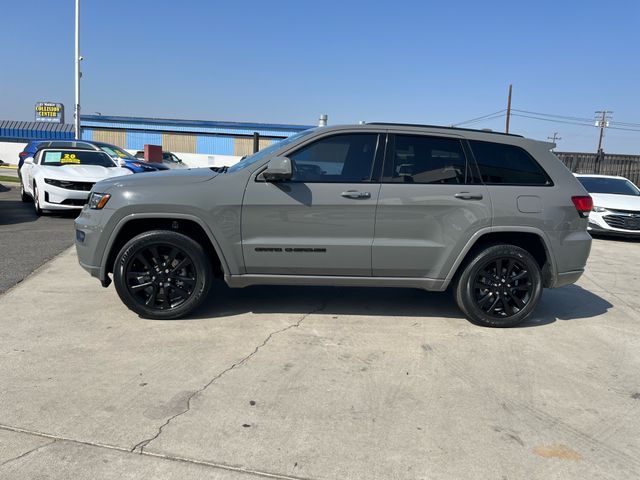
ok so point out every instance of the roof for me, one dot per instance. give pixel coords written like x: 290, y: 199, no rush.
x: 36, y: 130
x: 195, y: 126
x: 442, y: 127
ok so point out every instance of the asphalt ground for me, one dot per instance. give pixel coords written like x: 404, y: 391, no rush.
x: 26, y: 240
x: 320, y: 383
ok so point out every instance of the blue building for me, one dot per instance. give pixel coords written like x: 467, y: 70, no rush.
x: 186, y: 136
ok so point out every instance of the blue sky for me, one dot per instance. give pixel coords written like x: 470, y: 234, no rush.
x: 437, y: 62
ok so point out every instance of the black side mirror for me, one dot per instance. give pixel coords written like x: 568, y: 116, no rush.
x: 278, y: 169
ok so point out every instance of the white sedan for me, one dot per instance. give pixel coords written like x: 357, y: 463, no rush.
x: 61, y: 179
x: 616, y: 205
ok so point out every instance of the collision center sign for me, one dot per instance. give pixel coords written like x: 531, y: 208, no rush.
x: 49, y: 112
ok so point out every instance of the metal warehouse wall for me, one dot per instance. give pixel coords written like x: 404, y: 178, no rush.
x: 116, y: 137
x: 179, y: 142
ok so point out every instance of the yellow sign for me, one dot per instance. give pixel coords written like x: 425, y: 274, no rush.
x: 69, y: 158
x: 49, y: 112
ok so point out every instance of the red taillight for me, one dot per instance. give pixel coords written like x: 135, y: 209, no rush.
x: 584, y: 204
x: 23, y: 154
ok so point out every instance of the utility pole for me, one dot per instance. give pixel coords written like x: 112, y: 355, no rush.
x: 602, y: 121
x: 78, y: 59
x: 506, y: 130
x: 554, y: 138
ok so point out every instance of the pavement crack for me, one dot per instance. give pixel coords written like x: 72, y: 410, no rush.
x: 140, y: 445
x: 22, y: 455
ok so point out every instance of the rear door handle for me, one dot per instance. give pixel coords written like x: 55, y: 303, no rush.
x: 355, y: 194
x: 468, y: 196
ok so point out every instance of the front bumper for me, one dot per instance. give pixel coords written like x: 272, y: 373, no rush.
x: 600, y: 224
x: 56, y: 198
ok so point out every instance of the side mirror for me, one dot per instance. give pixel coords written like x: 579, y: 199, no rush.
x: 278, y: 169
x: 121, y: 162
x: 28, y: 161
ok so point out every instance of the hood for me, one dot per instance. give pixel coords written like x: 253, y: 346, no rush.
x: 160, y: 178
x: 616, y: 202
x: 82, y: 173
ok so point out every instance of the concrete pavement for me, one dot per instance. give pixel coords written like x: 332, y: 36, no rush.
x: 322, y: 383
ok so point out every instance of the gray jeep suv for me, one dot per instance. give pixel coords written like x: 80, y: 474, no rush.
x: 497, y: 217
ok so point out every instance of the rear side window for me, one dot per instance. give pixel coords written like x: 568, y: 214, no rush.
x: 422, y: 159
x: 502, y: 164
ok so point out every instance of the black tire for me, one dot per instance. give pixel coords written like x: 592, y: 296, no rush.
x: 499, y: 287
x: 24, y: 196
x: 162, y: 274
x: 36, y: 200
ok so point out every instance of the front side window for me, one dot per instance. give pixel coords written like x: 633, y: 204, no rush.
x: 422, y: 159
x: 507, y: 164
x: 344, y: 158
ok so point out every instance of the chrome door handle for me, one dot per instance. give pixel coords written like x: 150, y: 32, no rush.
x: 468, y: 196
x: 355, y: 194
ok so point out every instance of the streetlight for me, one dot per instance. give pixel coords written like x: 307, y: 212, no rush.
x: 78, y: 59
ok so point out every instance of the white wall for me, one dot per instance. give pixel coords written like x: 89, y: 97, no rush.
x: 9, y: 151
x: 196, y: 160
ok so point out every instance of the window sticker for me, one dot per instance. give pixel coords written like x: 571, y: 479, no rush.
x: 52, y: 157
x: 69, y: 158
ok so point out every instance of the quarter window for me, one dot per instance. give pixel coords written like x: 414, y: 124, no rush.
x: 507, y: 164
x: 336, y: 159
x: 422, y: 159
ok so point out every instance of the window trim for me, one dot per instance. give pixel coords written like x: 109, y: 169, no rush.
x: 389, y: 158
x: 549, y: 182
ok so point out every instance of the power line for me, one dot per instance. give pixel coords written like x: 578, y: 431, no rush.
x: 497, y: 114
x: 565, y: 117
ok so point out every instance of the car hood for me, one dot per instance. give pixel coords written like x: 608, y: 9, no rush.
x: 616, y: 202
x: 160, y: 178
x: 82, y: 173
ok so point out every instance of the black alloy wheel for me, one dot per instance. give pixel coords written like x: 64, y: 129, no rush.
x: 162, y: 274
x: 500, y: 286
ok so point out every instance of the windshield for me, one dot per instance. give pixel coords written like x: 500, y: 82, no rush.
x: 116, y: 152
x: 78, y: 157
x: 265, y: 152
x: 615, y: 186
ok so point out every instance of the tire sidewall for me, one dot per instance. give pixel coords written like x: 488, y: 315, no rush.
x: 167, y: 238
x: 466, y: 293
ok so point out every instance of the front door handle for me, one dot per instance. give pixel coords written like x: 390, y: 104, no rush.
x: 355, y: 194
x: 468, y: 196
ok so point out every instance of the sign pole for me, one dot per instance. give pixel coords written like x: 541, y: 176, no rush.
x: 76, y: 110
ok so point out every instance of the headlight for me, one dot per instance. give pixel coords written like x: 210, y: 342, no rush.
x: 97, y: 201
x: 599, y: 209
x: 58, y: 183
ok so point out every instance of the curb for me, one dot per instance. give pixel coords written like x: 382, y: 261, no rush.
x: 11, y: 167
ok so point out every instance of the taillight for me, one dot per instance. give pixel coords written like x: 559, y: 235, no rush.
x: 583, y: 204
x: 23, y: 154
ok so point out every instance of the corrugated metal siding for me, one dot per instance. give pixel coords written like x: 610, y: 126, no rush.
x: 189, y: 128
x: 214, y: 145
x: 242, y: 146
x: 264, y: 143
x: 115, y: 137
x: 179, y: 142
x: 36, y: 130
x: 87, y: 134
x: 137, y: 140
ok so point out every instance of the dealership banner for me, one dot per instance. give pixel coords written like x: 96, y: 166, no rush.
x: 49, y: 112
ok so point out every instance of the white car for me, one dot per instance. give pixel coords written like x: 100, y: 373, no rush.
x: 61, y: 179
x: 616, y: 205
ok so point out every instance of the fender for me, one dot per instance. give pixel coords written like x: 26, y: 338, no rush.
x: 137, y: 216
x: 506, y: 229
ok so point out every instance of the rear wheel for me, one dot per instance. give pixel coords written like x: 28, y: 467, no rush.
x: 36, y: 200
x: 23, y: 195
x: 162, y: 274
x: 499, y: 287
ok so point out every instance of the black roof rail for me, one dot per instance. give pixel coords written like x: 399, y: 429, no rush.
x: 442, y: 127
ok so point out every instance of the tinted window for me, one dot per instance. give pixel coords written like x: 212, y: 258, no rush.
x: 420, y: 159
x: 339, y: 158
x: 77, y: 157
x: 616, y: 186
x: 507, y: 164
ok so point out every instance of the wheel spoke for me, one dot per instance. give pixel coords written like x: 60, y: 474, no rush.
x: 181, y: 264
x: 141, y: 259
x: 499, y: 268
x: 510, y: 265
x: 508, y: 309
x: 152, y: 298
x: 493, y: 305
x: 157, y: 259
x: 483, y: 300
x: 523, y: 274
x: 141, y: 286
x: 519, y: 303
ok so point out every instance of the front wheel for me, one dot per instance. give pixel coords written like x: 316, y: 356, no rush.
x: 499, y: 287
x: 162, y: 274
x: 24, y: 196
x: 36, y: 200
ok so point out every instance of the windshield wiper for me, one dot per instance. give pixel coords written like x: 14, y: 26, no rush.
x: 219, y: 169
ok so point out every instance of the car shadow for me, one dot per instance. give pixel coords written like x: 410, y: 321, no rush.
x: 567, y: 303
